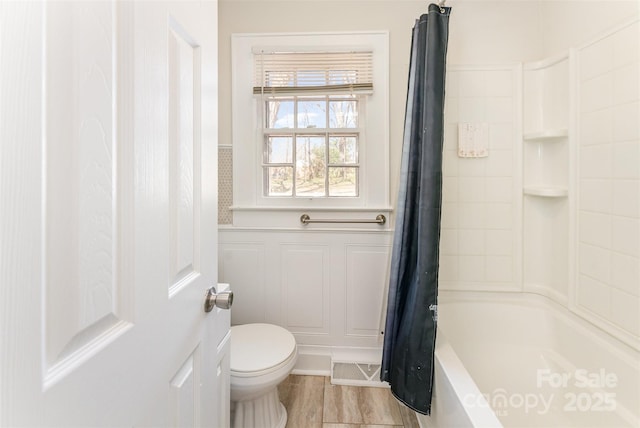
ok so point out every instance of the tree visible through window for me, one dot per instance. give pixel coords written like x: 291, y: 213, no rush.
x: 311, y: 146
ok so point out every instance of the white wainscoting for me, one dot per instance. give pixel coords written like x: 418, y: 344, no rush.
x: 327, y: 286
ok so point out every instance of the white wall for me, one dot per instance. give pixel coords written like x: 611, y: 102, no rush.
x: 325, y: 286
x: 255, y: 261
x: 342, y: 311
x: 566, y: 24
x: 482, y: 215
x: 481, y: 32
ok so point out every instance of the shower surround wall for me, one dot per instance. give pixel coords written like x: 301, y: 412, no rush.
x: 607, y: 289
x: 605, y: 281
x: 480, y: 236
x: 579, y: 196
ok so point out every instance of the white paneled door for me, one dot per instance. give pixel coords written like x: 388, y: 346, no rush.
x: 108, y: 169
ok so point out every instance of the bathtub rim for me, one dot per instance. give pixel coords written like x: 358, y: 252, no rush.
x: 463, y: 384
x: 618, y: 349
x: 622, y: 349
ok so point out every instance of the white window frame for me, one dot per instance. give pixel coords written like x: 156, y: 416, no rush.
x: 296, y: 131
x: 248, y: 195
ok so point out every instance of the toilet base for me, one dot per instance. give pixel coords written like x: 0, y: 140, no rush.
x: 265, y: 411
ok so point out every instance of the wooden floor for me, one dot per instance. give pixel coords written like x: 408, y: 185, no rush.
x: 312, y: 402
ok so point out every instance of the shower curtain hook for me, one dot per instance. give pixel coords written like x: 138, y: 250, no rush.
x: 441, y: 5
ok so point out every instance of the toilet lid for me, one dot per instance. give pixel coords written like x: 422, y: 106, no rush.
x: 258, y: 347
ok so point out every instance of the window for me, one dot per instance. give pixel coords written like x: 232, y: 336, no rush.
x: 310, y: 121
x: 311, y: 146
x: 311, y: 137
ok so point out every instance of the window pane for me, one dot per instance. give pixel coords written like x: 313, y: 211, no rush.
x: 279, y: 150
x: 279, y: 180
x: 343, y: 114
x: 310, y: 165
x: 312, y: 113
x: 343, y: 149
x: 343, y: 181
x: 279, y: 113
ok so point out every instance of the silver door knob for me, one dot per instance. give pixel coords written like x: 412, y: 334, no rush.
x: 222, y: 300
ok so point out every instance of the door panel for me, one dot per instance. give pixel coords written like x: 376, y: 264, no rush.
x: 184, y: 142
x: 86, y: 281
x: 184, y: 400
x: 108, y: 114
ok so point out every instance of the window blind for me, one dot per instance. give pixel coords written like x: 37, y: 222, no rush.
x: 300, y: 73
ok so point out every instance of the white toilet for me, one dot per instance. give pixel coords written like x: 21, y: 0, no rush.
x: 262, y: 356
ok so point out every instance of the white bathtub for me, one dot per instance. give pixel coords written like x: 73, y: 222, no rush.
x: 521, y: 360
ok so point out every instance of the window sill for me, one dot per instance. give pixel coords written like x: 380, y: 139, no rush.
x: 270, y: 208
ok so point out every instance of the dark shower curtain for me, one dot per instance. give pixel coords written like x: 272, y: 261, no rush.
x: 410, y: 328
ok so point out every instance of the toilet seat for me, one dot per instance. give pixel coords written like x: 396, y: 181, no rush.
x: 260, y: 349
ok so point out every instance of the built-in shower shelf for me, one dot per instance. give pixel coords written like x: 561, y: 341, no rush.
x: 546, y: 192
x: 548, y: 135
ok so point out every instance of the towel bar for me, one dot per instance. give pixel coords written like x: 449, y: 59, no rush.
x: 380, y: 219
